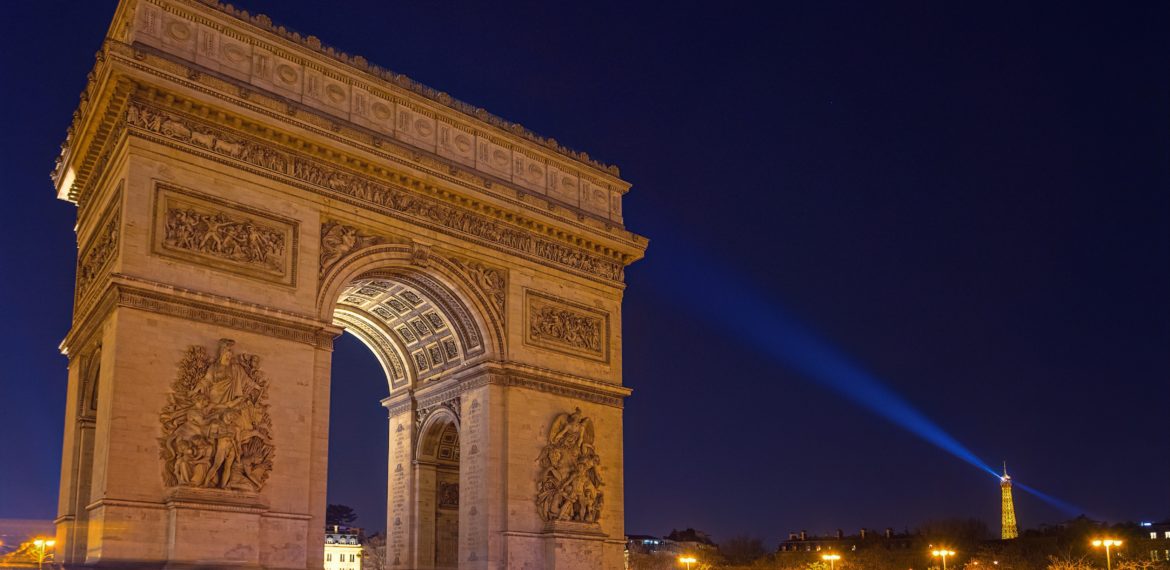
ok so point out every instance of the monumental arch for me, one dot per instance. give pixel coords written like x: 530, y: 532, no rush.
x: 246, y: 194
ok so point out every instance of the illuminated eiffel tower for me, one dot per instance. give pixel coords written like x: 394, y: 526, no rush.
x: 1009, y: 509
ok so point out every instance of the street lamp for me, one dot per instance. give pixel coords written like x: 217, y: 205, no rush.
x: 832, y: 558
x: 43, y: 545
x: 1107, y: 543
x: 688, y: 560
x: 942, y: 554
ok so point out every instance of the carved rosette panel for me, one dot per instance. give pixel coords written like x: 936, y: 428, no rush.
x: 216, y: 431
x: 564, y: 326
x: 209, y: 231
x: 102, y: 248
x: 333, y: 180
x: 569, y: 485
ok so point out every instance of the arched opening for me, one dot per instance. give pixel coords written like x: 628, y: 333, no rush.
x: 425, y: 329
x: 437, y: 480
x: 357, y: 432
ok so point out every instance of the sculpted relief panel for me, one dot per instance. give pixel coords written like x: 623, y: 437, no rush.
x: 217, y: 433
x: 564, y: 326
x: 232, y: 237
x: 102, y: 248
x: 569, y: 487
x: 335, y: 180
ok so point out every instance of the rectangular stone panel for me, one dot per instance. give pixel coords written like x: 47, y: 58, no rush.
x: 205, y: 230
x: 564, y: 326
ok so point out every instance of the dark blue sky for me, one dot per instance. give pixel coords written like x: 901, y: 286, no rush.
x: 972, y: 200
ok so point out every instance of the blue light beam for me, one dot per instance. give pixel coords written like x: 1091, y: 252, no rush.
x: 784, y: 337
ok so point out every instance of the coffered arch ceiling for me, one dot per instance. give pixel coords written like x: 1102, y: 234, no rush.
x: 415, y: 326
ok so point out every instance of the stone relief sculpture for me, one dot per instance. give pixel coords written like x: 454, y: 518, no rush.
x: 490, y: 280
x: 217, y: 433
x: 319, y: 174
x: 97, y: 256
x: 569, y: 487
x: 221, y: 235
x: 338, y: 240
x: 559, y: 324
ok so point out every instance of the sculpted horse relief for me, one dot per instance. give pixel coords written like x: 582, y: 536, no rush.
x: 216, y: 429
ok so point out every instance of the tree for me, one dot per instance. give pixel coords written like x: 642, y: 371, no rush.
x: 340, y: 515
x: 742, y: 549
x: 374, y: 553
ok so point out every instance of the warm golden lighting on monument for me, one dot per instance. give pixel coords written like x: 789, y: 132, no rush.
x: 1008, y: 528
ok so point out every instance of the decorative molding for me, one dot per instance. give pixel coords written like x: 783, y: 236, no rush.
x: 98, y: 255
x: 223, y: 316
x: 389, y: 199
x: 569, y: 486
x: 217, y: 433
x: 422, y: 413
x: 339, y: 83
x: 563, y: 326
x: 206, y: 230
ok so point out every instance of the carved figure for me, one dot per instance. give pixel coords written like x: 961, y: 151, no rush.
x: 573, y: 329
x: 338, y: 240
x: 216, y: 427
x: 224, y: 143
x: 218, y: 234
x: 569, y: 486
x: 490, y: 280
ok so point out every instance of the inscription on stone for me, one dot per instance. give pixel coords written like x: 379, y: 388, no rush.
x: 473, y: 471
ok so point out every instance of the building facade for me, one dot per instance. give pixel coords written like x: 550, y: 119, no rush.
x: 343, y: 550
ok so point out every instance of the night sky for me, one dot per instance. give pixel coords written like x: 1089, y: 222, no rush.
x: 970, y: 201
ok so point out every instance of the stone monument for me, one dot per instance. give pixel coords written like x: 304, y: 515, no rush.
x: 244, y: 195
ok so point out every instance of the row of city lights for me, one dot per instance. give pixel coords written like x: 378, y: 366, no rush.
x: 942, y: 553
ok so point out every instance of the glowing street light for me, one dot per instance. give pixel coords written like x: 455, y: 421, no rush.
x: 832, y: 558
x: 942, y: 554
x: 42, y: 545
x: 688, y: 560
x: 1107, y: 543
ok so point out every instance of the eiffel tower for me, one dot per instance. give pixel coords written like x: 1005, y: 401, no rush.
x: 1009, y: 510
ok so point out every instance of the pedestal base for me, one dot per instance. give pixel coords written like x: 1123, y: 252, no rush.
x: 571, y: 545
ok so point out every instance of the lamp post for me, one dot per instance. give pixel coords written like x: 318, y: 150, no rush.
x: 942, y: 554
x: 832, y: 558
x: 42, y: 545
x: 1108, y: 543
x: 688, y: 560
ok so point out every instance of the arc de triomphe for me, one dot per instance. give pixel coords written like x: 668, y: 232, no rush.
x: 245, y: 195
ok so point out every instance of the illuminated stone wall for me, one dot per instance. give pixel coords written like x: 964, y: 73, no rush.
x: 239, y: 186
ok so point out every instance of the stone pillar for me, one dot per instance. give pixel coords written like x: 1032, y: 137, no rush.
x: 400, y: 517
x: 481, y: 500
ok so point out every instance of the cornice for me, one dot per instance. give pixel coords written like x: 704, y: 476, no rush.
x: 160, y: 298
x: 341, y: 63
x: 388, y: 150
x: 461, y: 187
